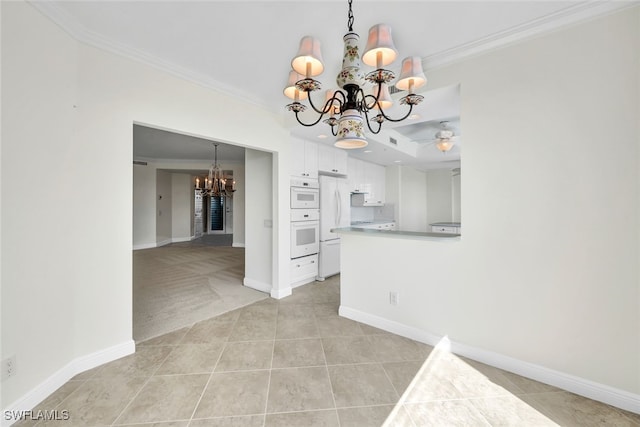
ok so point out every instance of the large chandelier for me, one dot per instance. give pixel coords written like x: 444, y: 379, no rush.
x: 216, y: 185
x: 351, y: 103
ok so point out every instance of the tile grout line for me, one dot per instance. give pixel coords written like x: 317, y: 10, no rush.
x: 273, y: 349
x: 206, y: 386
x: 142, y: 387
x: 326, y: 367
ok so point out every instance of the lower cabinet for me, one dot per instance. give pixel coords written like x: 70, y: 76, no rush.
x: 303, y: 270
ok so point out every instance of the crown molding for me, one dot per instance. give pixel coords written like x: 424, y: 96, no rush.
x: 82, y: 34
x: 568, y: 16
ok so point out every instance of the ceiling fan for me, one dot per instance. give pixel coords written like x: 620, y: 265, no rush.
x: 444, y: 139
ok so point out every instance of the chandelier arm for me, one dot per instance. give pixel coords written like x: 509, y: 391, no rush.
x: 401, y: 118
x: 375, y: 132
x: 327, y: 105
x: 314, y: 107
x: 309, y: 124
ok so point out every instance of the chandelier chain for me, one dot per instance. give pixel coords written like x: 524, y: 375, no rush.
x: 350, y: 20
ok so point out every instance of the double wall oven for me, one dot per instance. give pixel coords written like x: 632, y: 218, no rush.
x: 305, y: 217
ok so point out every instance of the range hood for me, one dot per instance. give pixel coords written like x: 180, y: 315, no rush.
x: 358, y: 200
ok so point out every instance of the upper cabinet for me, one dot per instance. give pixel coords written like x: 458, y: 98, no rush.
x: 332, y: 161
x: 369, y: 179
x: 375, y: 176
x: 304, y: 159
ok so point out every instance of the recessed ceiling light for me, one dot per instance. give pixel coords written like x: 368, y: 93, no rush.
x: 368, y: 151
x: 322, y: 136
x: 397, y: 161
x: 414, y: 116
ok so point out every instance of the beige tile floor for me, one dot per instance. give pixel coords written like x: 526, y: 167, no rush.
x: 295, y: 362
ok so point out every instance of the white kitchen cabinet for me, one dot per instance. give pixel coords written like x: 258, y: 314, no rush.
x: 355, y: 173
x: 303, y: 270
x: 304, y: 159
x: 332, y: 161
x: 369, y: 179
x: 375, y: 177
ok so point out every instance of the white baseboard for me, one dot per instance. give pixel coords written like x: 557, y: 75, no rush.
x: 80, y: 364
x: 144, y: 246
x: 257, y: 285
x: 280, y: 293
x: 238, y: 245
x: 181, y: 239
x: 163, y: 243
x: 583, y: 387
x: 303, y: 281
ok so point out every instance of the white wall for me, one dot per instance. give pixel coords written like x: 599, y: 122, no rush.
x: 239, y: 206
x: 163, y: 207
x: 84, y: 302
x: 144, y: 206
x: 258, y: 172
x: 537, y: 275
x: 182, y: 196
x: 439, y: 193
x: 406, y: 188
x: 45, y: 234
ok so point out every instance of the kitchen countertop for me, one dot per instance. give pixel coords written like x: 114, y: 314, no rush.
x: 446, y: 224
x: 396, y: 233
x: 356, y: 223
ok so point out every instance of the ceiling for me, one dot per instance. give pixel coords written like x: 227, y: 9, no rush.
x: 157, y: 144
x: 244, y: 48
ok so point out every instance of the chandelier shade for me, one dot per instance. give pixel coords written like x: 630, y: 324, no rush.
x: 380, y: 50
x: 351, y: 103
x: 381, y: 93
x: 308, y: 60
x: 291, y: 91
x: 411, y: 74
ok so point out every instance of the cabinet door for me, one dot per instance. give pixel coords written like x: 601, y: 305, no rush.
x: 297, y: 158
x: 332, y: 160
x: 325, y: 158
x: 378, y: 183
x: 311, y: 159
x: 304, y: 159
x: 352, y: 165
x: 374, y: 176
x: 340, y: 161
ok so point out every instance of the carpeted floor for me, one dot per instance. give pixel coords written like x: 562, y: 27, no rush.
x: 177, y: 285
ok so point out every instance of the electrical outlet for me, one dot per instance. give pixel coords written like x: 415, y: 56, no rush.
x: 394, y: 298
x: 8, y: 367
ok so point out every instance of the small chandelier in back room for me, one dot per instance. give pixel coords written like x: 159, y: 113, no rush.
x: 351, y: 103
x: 216, y: 184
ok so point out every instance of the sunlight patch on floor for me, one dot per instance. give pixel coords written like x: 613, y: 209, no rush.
x: 448, y: 390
